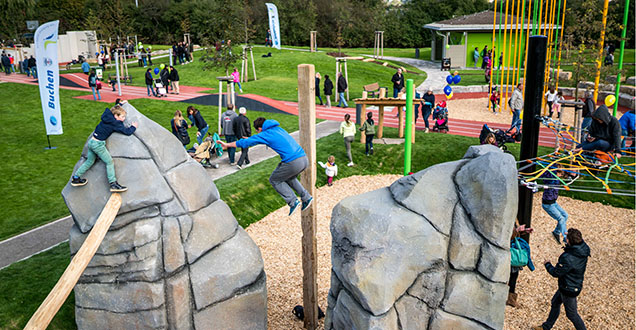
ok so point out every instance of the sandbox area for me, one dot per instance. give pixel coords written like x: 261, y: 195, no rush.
x: 607, y: 300
x: 477, y: 110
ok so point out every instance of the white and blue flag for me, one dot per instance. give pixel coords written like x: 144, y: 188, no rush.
x: 274, y: 27
x: 49, y: 76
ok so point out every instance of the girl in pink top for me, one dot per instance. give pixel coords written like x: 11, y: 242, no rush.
x: 237, y: 79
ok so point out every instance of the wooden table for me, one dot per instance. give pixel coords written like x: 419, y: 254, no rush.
x: 388, y: 102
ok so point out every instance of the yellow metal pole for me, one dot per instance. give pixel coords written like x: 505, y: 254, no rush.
x: 545, y: 17
x: 494, y: 21
x: 600, y: 51
x: 540, y: 14
x: 502, y: 92
x: 549, y: 30
x: 565, y: 2
x: 509, y: 51
x: 543, y: 22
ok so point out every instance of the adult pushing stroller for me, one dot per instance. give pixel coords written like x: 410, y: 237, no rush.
x: 498, y: 137
x: 440, y: 117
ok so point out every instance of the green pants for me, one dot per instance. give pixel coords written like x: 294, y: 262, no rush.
x: 98, y: 149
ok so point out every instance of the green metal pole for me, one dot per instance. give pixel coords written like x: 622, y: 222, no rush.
x: 495, y: 59
x: 409, y: 126
x: 534, y: 17
x: 620, y: 59
x: 556, y: 33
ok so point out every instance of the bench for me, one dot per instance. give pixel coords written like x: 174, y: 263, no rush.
x: 123, y: 78
x: 372, y: 89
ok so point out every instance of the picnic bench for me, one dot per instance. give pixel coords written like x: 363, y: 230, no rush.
x: 126, y: 79
x: 372, y: 90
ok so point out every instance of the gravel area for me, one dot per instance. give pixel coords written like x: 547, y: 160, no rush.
x: 607, y: 300
x: 477, y: 109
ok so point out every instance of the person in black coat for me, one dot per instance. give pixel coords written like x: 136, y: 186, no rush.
x: 6, y: 63
x: 149, y: 81
x: 604, y: 134
x: 398, y: 82
x: 427, y: 105
x: 197, y: 120
x: 174, y: 79
x: 570, y: 271
x: 318, y: 87
x: 165, y: 77
x: 180, y: 128
x: 242, y: 130
x: 342, y: 87
x: 328, y: 90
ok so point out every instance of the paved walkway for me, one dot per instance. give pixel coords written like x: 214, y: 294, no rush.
x: 435, y: 78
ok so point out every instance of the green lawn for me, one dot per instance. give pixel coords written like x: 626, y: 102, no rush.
x: 34, y: 177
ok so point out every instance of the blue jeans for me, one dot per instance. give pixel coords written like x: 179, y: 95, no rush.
x: 587, y: 121
x: 476, y: 59
x: 624, y: 134
x: 516, y: 120
x: 558, y: 214
x: 150, y: 89
x: 426, y: 113
x: 98, y: 149
x: 597, y: 144
x: 145, y: 63
x: 570, y: 311
x: 341, y: 100
x: 202, y: 132
x: 34, y: 72
x: 239, y: 84
x: 99, y: 96
x: 230, y: 151
x: 395, y: 92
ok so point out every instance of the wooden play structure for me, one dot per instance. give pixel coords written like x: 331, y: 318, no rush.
x: 381, y: 102
x: 313, y: 45
x: 378, y: 45
x: 47, y: 310
x: 245, y: 64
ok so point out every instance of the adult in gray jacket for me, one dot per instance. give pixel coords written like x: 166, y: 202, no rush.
x: 242, y: 130
x: 516, y: 103
x: 228, y: 130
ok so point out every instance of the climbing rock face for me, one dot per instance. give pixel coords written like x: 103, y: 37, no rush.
x: 175, y: 256
x: 429, y: 252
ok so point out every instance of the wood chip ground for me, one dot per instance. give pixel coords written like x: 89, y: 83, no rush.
x: 607, y: 300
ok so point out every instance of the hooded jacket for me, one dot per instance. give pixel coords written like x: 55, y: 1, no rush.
x: 570, y: 269
x: 328, y: 87
x: 609, y: 130
x: 226, y: 122
x: 109, y: 124
x: 273, y: 136
x: 628, y: 121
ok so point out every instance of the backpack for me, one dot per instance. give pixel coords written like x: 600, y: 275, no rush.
x: 518, y: 256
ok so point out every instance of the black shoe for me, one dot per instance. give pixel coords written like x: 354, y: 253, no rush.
x: 557, y: 237
x: 78, y: 182
x: 116, y: 187
x: 247, y: 162
x: 371, y: 151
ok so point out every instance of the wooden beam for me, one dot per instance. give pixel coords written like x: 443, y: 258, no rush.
x: 380, y: 121
x: 307, y: 127
x: 45, y: 313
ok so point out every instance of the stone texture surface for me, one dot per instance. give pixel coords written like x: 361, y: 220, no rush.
x: 175, y: 257
x: 430, y: 251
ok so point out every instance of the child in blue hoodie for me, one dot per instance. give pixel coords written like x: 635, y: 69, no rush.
x: 112, y: 121
x: 293, y: 160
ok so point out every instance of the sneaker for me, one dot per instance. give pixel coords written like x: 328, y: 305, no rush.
x: 350, y: 164
x: 307, y: 203
x: 557, y: 237
x: 216, y: 165
x: 294, y: 207
x: 367, y: 154
x: 78, y: 182
x: 247, y: 162
x: 371, y: 151
x: 116, y: 187
x: 231, y: 163
x: 239, y: 167
x: 329, y: 184
x: 426, y: 130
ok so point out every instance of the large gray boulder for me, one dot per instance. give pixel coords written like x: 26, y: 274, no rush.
x: 429, y: 252
x: 175, y: 256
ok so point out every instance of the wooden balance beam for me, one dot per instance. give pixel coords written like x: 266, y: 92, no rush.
x: 47, y: 310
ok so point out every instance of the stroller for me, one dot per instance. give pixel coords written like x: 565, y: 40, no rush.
x: 204, y: 152
x: 161, y: 89
x: 501, y: 137
x: 440, y: 118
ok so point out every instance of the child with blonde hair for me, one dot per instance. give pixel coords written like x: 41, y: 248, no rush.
x: 331, y: 169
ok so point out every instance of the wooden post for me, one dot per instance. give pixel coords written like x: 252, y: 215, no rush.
x: 382, y: 43
x: 220, y: 105
x: 307, y: 127
x: 253, y: 65
x: 380, y: 120
x: 313, y: 45
x: 400, y: 121
x: 243, y: 60
x: 346, y: 78
x: 45, y: 313
x: 337, y: 96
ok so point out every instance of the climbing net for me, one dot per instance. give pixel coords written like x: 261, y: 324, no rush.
x: 571, y: 169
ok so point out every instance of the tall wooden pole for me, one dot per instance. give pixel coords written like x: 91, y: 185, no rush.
x: 597, y: 77
x: 45, y: 313
x: 307, y: 127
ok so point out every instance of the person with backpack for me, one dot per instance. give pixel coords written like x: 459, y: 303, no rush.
x: 328, y: 85
x: 180, y: 128
x: 227, y: 130
x: 92, y: 83
x: 242, y: 130
x: 570, y: 271
x: 368, y: 127
x: 519, y: 258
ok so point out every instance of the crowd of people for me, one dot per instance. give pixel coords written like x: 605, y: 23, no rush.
x: 27, y: 66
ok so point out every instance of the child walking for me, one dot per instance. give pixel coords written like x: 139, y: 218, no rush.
x: 236, y: 79
x: 368, y: 127
x: 550, y: 205
x: 331, y: 169
x: 112, y: 121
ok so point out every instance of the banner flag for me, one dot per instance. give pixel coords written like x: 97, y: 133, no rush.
x: 49, y: 76
x: 274, y: 27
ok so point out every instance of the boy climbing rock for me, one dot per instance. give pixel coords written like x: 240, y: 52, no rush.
x: 112, y: 121
x: 293, y: 160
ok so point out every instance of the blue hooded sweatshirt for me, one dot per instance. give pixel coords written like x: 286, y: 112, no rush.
x: 628, y: 121
x: 109, y: 124
x: 276, y: 138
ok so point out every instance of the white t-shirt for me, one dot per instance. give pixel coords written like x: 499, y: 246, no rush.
x: 551, y: 96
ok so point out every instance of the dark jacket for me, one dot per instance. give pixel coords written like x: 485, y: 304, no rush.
x: 6, y: 61
x: 181, y: 132
x: 398, y: 81
x: 31, y: 62
x: 174, y: 75
x: 328, y: 87
x: 197, y: 120
x: 109, y: 124
x: 242, y: 127
x: 609, y: 130
x: 149, y: 78
x: 317, y: 86
x: 342, y: 84
x: 550, y: 195
x: 164, y: 76
x: 428, y: 98
x: 92, y: 80
x: 571, y: 268
x: 588, y: 107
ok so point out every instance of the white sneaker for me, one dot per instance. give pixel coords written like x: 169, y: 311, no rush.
x: 350, y: 164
